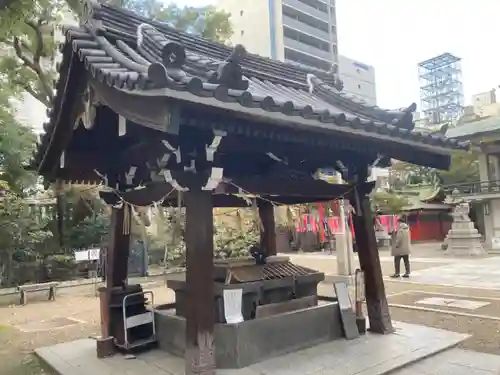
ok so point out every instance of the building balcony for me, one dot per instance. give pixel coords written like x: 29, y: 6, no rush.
x: 306, y: 9
x: 474, y: 191
x: 303, y: 27
x: 307, y: 49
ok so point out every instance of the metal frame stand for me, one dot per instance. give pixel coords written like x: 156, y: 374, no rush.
x: 137, y: 320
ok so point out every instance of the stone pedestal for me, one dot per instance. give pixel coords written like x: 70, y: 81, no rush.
x: 463, y: 238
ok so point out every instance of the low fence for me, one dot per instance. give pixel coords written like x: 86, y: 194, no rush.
x: 480, y: 187
x: 66, y: 267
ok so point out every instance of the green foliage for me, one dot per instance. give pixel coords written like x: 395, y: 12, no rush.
x: 21, y: 234
x: 26, y: 65
x: 89, y: 232
x: 207, y: 22
x: 17, y: 143
x: 27, y: 27
x: 389, y: 202
x: 228, y: 243
x: 19, y: 228
x: 411, y: 174
x: 27, y: 41
x: 234, y: 234
x: 464, y: 168
x: 232, y: 243
x: 85, y: 220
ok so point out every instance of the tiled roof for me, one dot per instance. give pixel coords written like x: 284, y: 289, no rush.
x: 475, y: 128
x: 128, y: 52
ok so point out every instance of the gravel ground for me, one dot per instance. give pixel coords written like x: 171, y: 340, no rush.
x: 16, y: 356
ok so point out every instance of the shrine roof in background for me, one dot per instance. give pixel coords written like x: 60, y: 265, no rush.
x: 130, y: 61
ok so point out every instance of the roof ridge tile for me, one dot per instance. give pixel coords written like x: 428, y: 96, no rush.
x: 122, y: 54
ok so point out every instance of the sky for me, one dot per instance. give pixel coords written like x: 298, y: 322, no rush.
x: 394, y: 35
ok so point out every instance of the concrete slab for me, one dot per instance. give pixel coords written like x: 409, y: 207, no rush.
x: 450, y: 302
x: 367, y: 355
x: 455, y: 362
x: 476, y: 273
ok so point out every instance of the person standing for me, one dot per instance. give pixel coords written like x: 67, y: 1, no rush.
x: 401, y: 248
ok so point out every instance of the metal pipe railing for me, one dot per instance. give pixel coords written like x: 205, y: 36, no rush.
x: 480, y: 187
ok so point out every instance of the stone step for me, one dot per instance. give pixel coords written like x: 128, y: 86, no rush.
x: 368, y: 355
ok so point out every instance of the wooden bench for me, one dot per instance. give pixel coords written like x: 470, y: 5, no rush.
x: 28, y: 288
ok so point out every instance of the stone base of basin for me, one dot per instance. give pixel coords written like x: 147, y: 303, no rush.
x: 252, y: 341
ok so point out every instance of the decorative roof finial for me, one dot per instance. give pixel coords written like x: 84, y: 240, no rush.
x: 229, y: 72
x: 406, y: 120
x: 140, y: 33
x: 173, y: 56
x: 310, y: 82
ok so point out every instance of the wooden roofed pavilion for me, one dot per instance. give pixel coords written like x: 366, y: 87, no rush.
x: 150, y: 111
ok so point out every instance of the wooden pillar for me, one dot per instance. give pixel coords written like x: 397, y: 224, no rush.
x: 268, y: 230
x: 200, y: 309
x: 117, y: 256
x: 376, y: 300
x: 118, y: 247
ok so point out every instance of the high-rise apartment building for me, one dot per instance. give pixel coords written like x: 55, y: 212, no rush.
x: 358, y: 79
x: 301, y: 32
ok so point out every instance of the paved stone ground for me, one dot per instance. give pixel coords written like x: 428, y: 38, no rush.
x: 361, y: 356
x: 480, y: 273
x: 477, y: 273
x: 453, y: 303
x: 485, y: 332
x: 78, y: 303
x: 455, y: 362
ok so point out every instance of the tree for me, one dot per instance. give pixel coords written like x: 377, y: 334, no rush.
x: 464, y: 168
x: 17, y: 143
x: 412, y: 174
x: 27, y: 27
x: 207, y: 21
x: 90, y: 232
x: 28, y: 47
x: 21, y: 233
x: 27, y: 43
x: 389, y: 202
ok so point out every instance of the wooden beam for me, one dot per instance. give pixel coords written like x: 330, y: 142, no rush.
x: 200, y: 309
x: 490, y: 148
x: 154, y: 192
x: 268, y: 230
x: 285, y: 187
x: 66, y: 114
x: 376, y: 299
